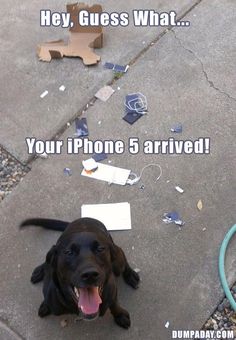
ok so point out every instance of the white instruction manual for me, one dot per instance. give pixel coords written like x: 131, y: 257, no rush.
x: 115, y: 216
x: 108, y: 173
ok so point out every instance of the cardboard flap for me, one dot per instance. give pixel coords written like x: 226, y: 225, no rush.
x: 74, y: 10
x: 81, y: 40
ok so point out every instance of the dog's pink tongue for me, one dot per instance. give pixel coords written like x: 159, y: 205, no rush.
x: 89, y: 300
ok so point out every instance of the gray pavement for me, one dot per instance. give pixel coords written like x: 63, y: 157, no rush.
x: 188, y: 77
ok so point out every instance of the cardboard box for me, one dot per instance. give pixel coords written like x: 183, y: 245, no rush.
x: 81, y: 42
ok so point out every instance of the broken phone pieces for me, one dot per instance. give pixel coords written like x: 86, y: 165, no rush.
x: 98, y: 157
x: 135, y: 107
x: 81, y: 39
x: 172, y: 217
x: 81, y: 127
x: 116, y: 68
x: 178, y: 128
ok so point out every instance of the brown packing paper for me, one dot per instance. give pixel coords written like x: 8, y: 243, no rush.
x: 81, y: 42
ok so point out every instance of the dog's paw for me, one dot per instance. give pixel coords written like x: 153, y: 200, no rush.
x: 37, y: 274
x: 123, y: 319
x: 44, y: 310
x: 131, y: 278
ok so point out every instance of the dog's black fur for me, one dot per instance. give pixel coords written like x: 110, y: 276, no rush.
x: 84, y: 256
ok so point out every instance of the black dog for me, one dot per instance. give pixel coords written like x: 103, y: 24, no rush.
x: 79, y: 271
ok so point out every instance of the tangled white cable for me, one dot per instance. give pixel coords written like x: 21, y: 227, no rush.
x: 136, y: 178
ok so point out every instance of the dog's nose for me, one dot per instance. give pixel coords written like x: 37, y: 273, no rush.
x: 89, y: 275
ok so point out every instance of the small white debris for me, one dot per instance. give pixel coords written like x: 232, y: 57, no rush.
x: 64, y: 323
x: 132, y: 247
x: 144, y: 42
x: 152, y: 43
x: 180, y: 190
x: 204, y: 229
x: 109, y: 161
x: 18, y: 266
x: 199, y: 205
x: 68, y: 124
x: 43, y: 155
x: 118, y: 88
x: 62, y: 88
x: 99, y: 122
x: 44, y: 94
x: 137, y: 270
x: 167, y: 324
x: 168, y: 181
x: 87, y: 106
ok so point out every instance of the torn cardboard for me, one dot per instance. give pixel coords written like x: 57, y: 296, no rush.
x: 81, y: 42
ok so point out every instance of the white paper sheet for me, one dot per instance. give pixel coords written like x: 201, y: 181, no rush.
x: 110, y: 174
x: 115, y: 216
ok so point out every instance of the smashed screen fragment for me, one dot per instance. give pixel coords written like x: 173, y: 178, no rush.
x: 98, y: 157
x: 172, y: 217
x: 81, y: 127
x: 135, y: 107
x: 178, y: 128
x: 116, y: 68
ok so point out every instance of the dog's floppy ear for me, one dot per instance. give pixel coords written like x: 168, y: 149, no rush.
x: 118, y: 259
x: 113, y: 248
x: 113, y: 251
x: 51, y: 257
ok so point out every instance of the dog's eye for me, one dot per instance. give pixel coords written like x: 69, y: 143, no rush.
x: 97, y: 247
x: 100, y: 249
x: 73, y: 250
x: 68, y: 252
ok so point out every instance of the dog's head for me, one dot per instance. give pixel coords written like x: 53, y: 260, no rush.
x: 82, y: 262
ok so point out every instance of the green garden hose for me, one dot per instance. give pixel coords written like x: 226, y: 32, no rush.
x: 224, y: 283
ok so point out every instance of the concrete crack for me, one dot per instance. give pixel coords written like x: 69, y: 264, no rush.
x: 10, y: 331
x: 210, y: 82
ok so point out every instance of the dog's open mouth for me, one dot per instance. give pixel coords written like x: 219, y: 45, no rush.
x: 88, y: 300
